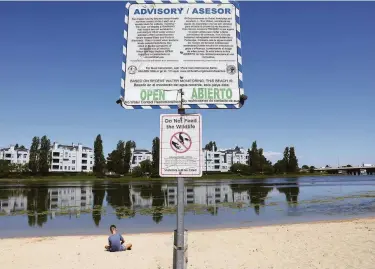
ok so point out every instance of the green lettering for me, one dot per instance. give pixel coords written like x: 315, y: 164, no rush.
x: 153, y: 95
x: 143, y: 95
x: 229, y: 93
x: 201, y: 93
x: 194, y: 95
x: 216, y: 94
x: 209, y: 93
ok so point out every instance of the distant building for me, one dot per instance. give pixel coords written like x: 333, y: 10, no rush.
x: 138, y: 156
x: 15, y: 155
x: 71, y: 158
x: 222, y: 160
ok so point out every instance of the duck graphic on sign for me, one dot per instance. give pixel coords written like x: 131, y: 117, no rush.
x: 180, y: 142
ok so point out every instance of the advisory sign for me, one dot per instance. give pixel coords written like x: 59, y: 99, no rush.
x: 193, y: 47
x: 180, y: 145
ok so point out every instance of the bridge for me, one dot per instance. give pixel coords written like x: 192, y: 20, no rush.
x: 355, y: 170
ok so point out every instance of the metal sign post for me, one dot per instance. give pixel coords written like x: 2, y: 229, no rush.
x: 174, y: 49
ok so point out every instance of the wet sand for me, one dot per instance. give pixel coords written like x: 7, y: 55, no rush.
x: 338, y: 244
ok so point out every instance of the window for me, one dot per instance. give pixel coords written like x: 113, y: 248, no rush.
x: 65, y: 168
x: 56, y: 154
x: 73, y: 161
x: 84, y: 167
x: 171, y: 190
x: 55, y: 167
x: 73, y: 168
x: 84, y: 155
x: 25, y: 155
x: 84, y: 161
x: 66, y: 154
x: 216, y: 155
x: 60, y: 167
x: 68, y: 167
x: 217, y: 167
x: 8, y: 155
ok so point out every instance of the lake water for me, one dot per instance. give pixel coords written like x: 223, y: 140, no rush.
x: 68, y: 208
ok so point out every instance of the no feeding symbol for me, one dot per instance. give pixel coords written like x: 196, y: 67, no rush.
x: 180, y: 142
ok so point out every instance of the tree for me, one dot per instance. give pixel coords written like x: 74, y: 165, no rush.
x: 44, y: 155
x: 211, y: 146
x: 146, y: 167
x: 34, y: 155
x: 129, y: 146
x: 110, y: 161
x: 118, y: 158
x: 293, y: 161
x: 155, y: 156
x: 137, y: 172
x: 254, y: 160
x: 240, y: 168
x: 305, y: 167
x: 286, y: 159
x: 99, y: 161
x: 4, y: 168
x: 279, y: 167
x: 312, y: 169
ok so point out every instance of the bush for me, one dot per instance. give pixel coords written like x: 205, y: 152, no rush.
x: 240, y: 168
x: 137, y: 172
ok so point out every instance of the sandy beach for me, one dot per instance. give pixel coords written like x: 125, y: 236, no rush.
x: 341, y: 244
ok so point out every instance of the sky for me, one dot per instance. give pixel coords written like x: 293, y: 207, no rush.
x: 308, y: 68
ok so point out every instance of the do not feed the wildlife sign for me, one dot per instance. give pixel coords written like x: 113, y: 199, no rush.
x: 180, y: 145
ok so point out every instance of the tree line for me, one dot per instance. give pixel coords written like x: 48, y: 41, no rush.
x: 119, y: 161
x: 257, y: 163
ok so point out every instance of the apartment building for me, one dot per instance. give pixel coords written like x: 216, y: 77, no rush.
x: 138, y: 156
x: 15, y: 155
x: 71, y: 158
x: 222, y: 160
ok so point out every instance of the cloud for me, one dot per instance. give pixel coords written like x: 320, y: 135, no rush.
x: 272, y: 155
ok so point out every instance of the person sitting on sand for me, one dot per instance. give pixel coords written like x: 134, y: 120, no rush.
x: 116, y: 241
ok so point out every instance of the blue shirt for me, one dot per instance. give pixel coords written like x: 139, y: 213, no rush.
x: 115, y: 242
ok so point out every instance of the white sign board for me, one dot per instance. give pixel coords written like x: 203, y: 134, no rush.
x: 180, y: 145
x: 179, y: 46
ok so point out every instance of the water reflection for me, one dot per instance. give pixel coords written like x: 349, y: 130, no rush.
x: 126, y: 200
x: 156, y: 201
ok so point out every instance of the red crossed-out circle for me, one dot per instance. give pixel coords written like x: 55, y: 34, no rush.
x: 178, y: 146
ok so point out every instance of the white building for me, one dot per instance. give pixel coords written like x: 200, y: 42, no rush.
x: 74, y: 158
x: 138, y: 156
x: 15, y: 155
x: 222, y: 160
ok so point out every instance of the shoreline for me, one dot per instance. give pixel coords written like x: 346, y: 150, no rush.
x: 348, y: 220
x: 224, y: 177
x: 329, y: 244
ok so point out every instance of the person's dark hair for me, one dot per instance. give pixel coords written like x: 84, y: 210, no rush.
x: 112, y: 227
